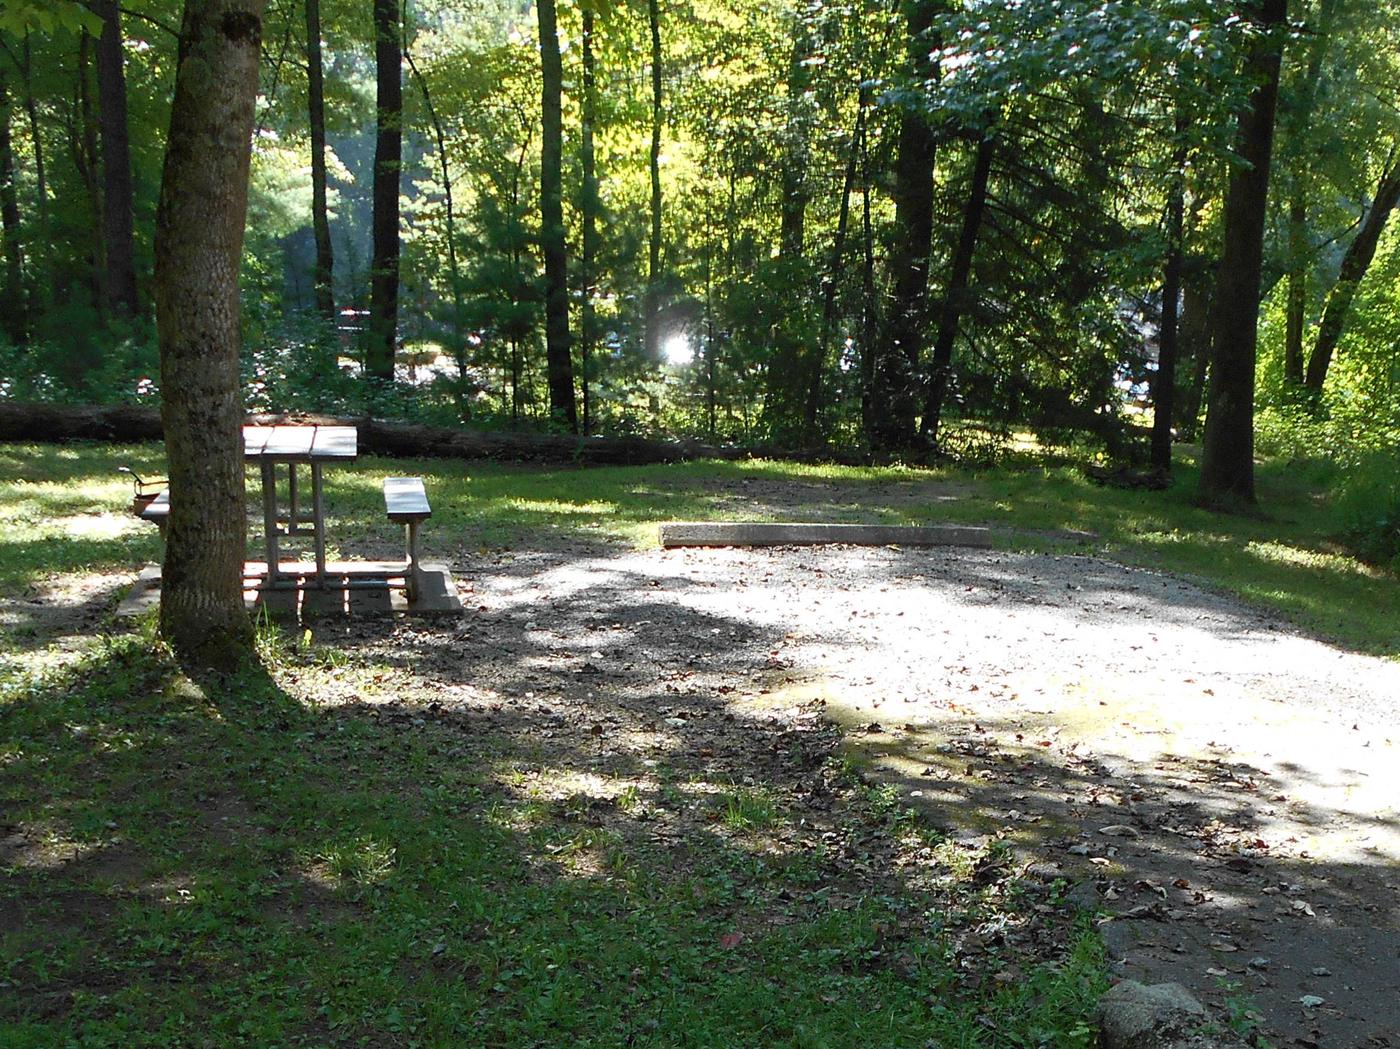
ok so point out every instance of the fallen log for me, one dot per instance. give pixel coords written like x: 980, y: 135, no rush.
x: 130, y: 423
x: 73, y: 422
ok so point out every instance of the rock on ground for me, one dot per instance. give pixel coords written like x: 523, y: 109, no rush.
x: 1155, y: 1016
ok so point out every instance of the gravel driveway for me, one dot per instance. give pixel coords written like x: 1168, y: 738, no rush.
x: 1223, y: 790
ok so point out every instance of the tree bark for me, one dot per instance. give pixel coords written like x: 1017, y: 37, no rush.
x: 388, y: 155
x: 87, y: 158
x: 589, y: 209
x: 894, y: 389
x: 117, y: 189
x: 869, y: 311
x: 558, y: 354
x: 651, y: 337
x: 15, y: 323
x: 955, y: 298
x: 454, y: 269
x: 198, y: 249
x: 832, y: 284
x: 320, y: 217
x: 31, y: 108
x: 1354, y: 266
x: 1194, y: 338
x: 1297, y: 308
x: 1227, y: 466
x: 1297, y: 124
x: 1164, y: 381
x: 796, y: 154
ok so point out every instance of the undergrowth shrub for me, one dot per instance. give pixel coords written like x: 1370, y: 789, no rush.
x: 1367, y: 505
x: 1343, y: 429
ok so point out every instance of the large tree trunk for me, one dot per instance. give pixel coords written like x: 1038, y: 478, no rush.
x: 12, y: 302
x: 198, y: 249
x: 955, y: 298
x: 651, y: 337
x: 588, y: 206
x: 1354, y: 266
x: 1227, y: 466
x: 558, y: 355
x: 117, y: 189
x: 388, y: 156
x: 320, y: 218
x: 894, y: 389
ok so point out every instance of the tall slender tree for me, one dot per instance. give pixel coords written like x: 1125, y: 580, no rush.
x: 831, y: 282
x: 316, y: 119
x: 118, y: 192
x: 558, y: 356
x: 388, y: 157
x: 1296, y: 311
x: 89, y: 163
x: 12, y: 297
x: 36, y: 140
x: 956, y: 293
x: 651, y: 298
x: 894, y: 385
x: 198, y: 249
x: 1297, y: 124
x: 588, y: 208
x: 1164, y: 379
x: 1355, y: 263
x: 454, y: 268
x: 1227, y: 462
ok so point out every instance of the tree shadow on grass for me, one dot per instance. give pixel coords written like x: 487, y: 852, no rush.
x: 340, y: 851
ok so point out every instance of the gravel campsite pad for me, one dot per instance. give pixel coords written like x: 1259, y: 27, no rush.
x: 1223, y: 790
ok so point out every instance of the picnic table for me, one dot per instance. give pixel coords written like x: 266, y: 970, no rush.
x: 313, y: 446
x: 295, y: 446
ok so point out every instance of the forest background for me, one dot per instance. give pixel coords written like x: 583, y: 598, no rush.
x: 915, y: 229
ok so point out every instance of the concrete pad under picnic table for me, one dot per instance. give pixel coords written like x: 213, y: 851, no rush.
x: 437, y: 591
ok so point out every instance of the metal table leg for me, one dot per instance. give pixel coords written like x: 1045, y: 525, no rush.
x: 318, y: 511
x: 269, y: 491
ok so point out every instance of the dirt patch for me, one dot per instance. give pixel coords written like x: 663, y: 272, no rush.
x: 64, y: 610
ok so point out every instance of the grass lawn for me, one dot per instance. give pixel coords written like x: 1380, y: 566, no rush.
x: 54, y: 497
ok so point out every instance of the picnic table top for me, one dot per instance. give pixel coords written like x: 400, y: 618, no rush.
x: 300, y: 443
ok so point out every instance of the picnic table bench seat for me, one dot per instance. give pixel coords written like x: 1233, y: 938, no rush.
x: 406, y: 503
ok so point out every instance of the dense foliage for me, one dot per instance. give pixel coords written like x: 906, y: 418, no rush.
x: 738, y: 219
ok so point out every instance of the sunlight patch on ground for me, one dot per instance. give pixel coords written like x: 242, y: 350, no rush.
x: 98, y: 526
x: 560, y: 506
x: 1281, y: 553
